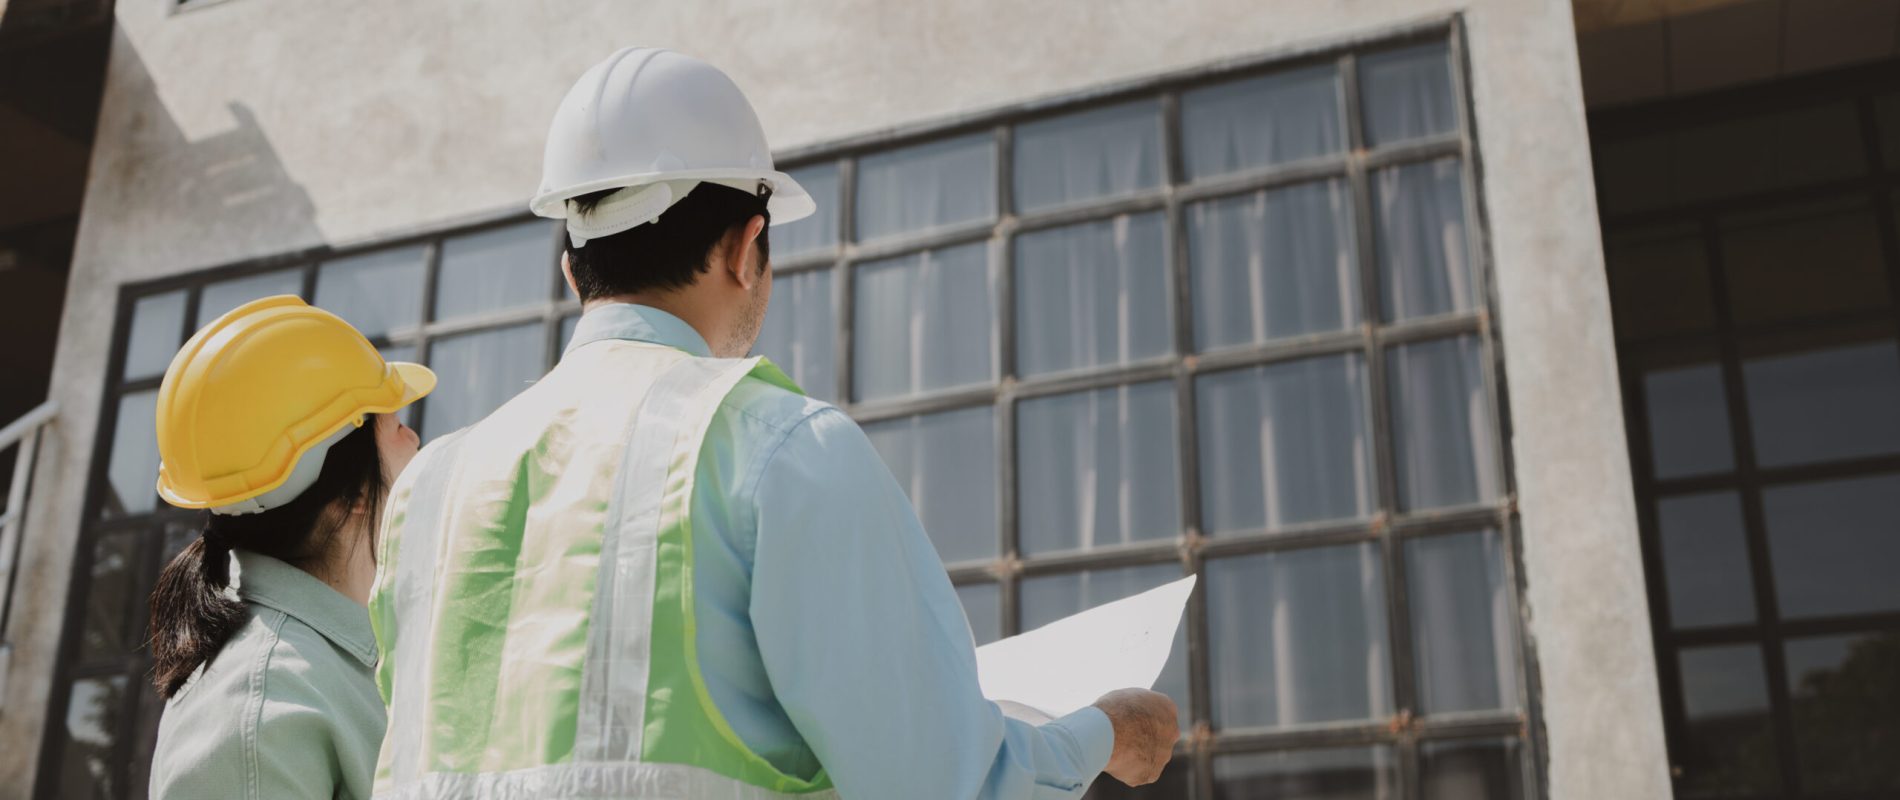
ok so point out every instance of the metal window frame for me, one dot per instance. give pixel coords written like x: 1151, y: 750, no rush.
x: 1878, y: 189
x: 1387, y: 528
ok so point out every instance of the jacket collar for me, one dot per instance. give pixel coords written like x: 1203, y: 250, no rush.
x: 640, y: 324
x: 272, y: 583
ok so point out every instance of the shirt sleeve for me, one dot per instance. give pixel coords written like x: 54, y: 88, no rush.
x: 868, y: 649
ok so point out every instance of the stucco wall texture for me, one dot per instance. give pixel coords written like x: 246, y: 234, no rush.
x: 253, y: 127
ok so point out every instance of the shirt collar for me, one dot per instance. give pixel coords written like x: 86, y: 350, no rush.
x: 269, y: 582
x: 637, y: 323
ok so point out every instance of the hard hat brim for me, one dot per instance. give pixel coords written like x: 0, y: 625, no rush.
x: 790, y: 202
x: 417, y: 382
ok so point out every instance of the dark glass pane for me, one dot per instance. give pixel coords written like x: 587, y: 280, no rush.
x: 1728, y: 742
x: 1284, y: 444
x: 1443, y: 438
x: 1804, y: 262
x: 1407, y: 93
x: 1846, y: 706
x: 1660, y: 287
x: 157, y: 323
x: 1464, y: 639
x: 218, y: 298
x: 496, y: 269
x: 1092, y: 295
x: 1731, y: 157
x: 923, y: 322
x: 1275, y: 119
x: 1824, y: 404
x: 1482, y: 769
x: 983, y: 604
x: 947, y: 463
x: 377, y: 292
x: 1353, y: 773
x: 1705, y: 560
x: 108, y: 629
x: 926, y: 186
x: 1835, y: 545
x: 132, y: 471
x: 818, y: 231
x: 1688, y: 421
x: 1419, y: 221
x: 800, y: 334
x: 1096, y: 153
x: 90, y: 766
x: 1273, y: 264
x: 1173, y: 785
x: 1047, y: 598
x: 1298, y: 637
x: 478, y: 372
x: 1098, y: 468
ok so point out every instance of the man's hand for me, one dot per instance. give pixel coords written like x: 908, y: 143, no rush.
x: 1145, y: 731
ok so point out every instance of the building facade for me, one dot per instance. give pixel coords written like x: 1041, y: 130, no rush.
x: 1307, y: 299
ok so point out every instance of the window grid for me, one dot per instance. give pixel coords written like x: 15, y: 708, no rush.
x: 1771, y: 632
x: 136, y: 714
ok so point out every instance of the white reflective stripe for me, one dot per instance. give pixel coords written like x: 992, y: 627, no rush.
x: 592, y: 781
x: 612, y: 712
x: 413, y: 595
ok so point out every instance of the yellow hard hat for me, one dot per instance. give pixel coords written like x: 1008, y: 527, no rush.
x: 252, y: 403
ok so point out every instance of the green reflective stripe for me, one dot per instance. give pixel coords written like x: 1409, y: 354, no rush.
x: 683, y: 726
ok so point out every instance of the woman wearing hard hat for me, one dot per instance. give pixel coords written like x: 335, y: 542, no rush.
x: 278, y: 420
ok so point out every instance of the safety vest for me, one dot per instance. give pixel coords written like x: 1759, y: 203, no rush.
x: 534, y: 596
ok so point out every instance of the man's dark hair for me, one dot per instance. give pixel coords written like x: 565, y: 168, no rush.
x: 668, y: 253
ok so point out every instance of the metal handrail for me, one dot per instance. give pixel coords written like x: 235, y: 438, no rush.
x: 24, y: 433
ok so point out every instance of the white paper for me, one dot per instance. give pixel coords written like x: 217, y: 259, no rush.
x: 1066, y: 665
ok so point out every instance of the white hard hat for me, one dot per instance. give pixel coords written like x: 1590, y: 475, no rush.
x: 654, y: 124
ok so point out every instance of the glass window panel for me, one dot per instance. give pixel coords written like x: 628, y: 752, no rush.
x: 107, y: 631
x: 1096, y: 153
x: 1443, y: 439
x: 1464, y: 624
x: 1172, y: 785
x: 1348, y: 773
x: 923, y: 322
x: 926, y: 186
x: 983, y: 604
x: 1419, y: 221
x: 377, y: 292
x: 1660, y: 287
x: 157, y: 323
x: 1284, y: 444
x: 800, y: 334
x: 218, y: 298
x: 1047, y: 598
x: 947, y: 464
x: 1728, y: 745
x: 132, y: 471
x: 1298, y: 637
x: 1844, y: 708
x: 1688, y: 421
x: 1804, y: 262
x: 90, y: 767
x: 1705, y: 560
x: 1407, y: 93
x: 1098, y: 469
x: 494, y: 270
x: 1274, y: 119
x: 1482, y: 769
x: 818, y: 231
x: 1272, y: 264
x: 1824, y: 404
x: 1092, y: 295
x: 1834, y: 546
x: 478, y: 372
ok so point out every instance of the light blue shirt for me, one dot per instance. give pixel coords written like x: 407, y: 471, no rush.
x: 828, y: 631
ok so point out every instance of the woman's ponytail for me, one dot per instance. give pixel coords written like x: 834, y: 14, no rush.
x: 192, y: 614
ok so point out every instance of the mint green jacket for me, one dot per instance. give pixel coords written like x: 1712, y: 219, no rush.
x: 288, y: 709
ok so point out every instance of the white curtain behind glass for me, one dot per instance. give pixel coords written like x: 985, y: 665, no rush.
x: 1092, y: 295
x: 947, y: 464
x: 1284, y: 444
x: 1263, y: 121
x: 926, y: 186
x: 923, y: 322
x: 1099, y: 153
x: 1098, y: 468
x: 1443, y: 440
x: 1463, y: 644
x: 1420, y: 215
x: 1273, y: 264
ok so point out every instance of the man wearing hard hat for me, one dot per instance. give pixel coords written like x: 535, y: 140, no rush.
x: 662, y: 571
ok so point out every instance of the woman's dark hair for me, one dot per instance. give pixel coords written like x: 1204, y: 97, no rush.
x: 192, y: 616
x: 670, y: 252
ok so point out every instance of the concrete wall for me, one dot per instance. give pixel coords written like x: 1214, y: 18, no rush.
x: 254, y: 127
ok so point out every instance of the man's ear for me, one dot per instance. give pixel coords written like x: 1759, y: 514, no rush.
x: 567, y: 271
x: 738, y: 251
